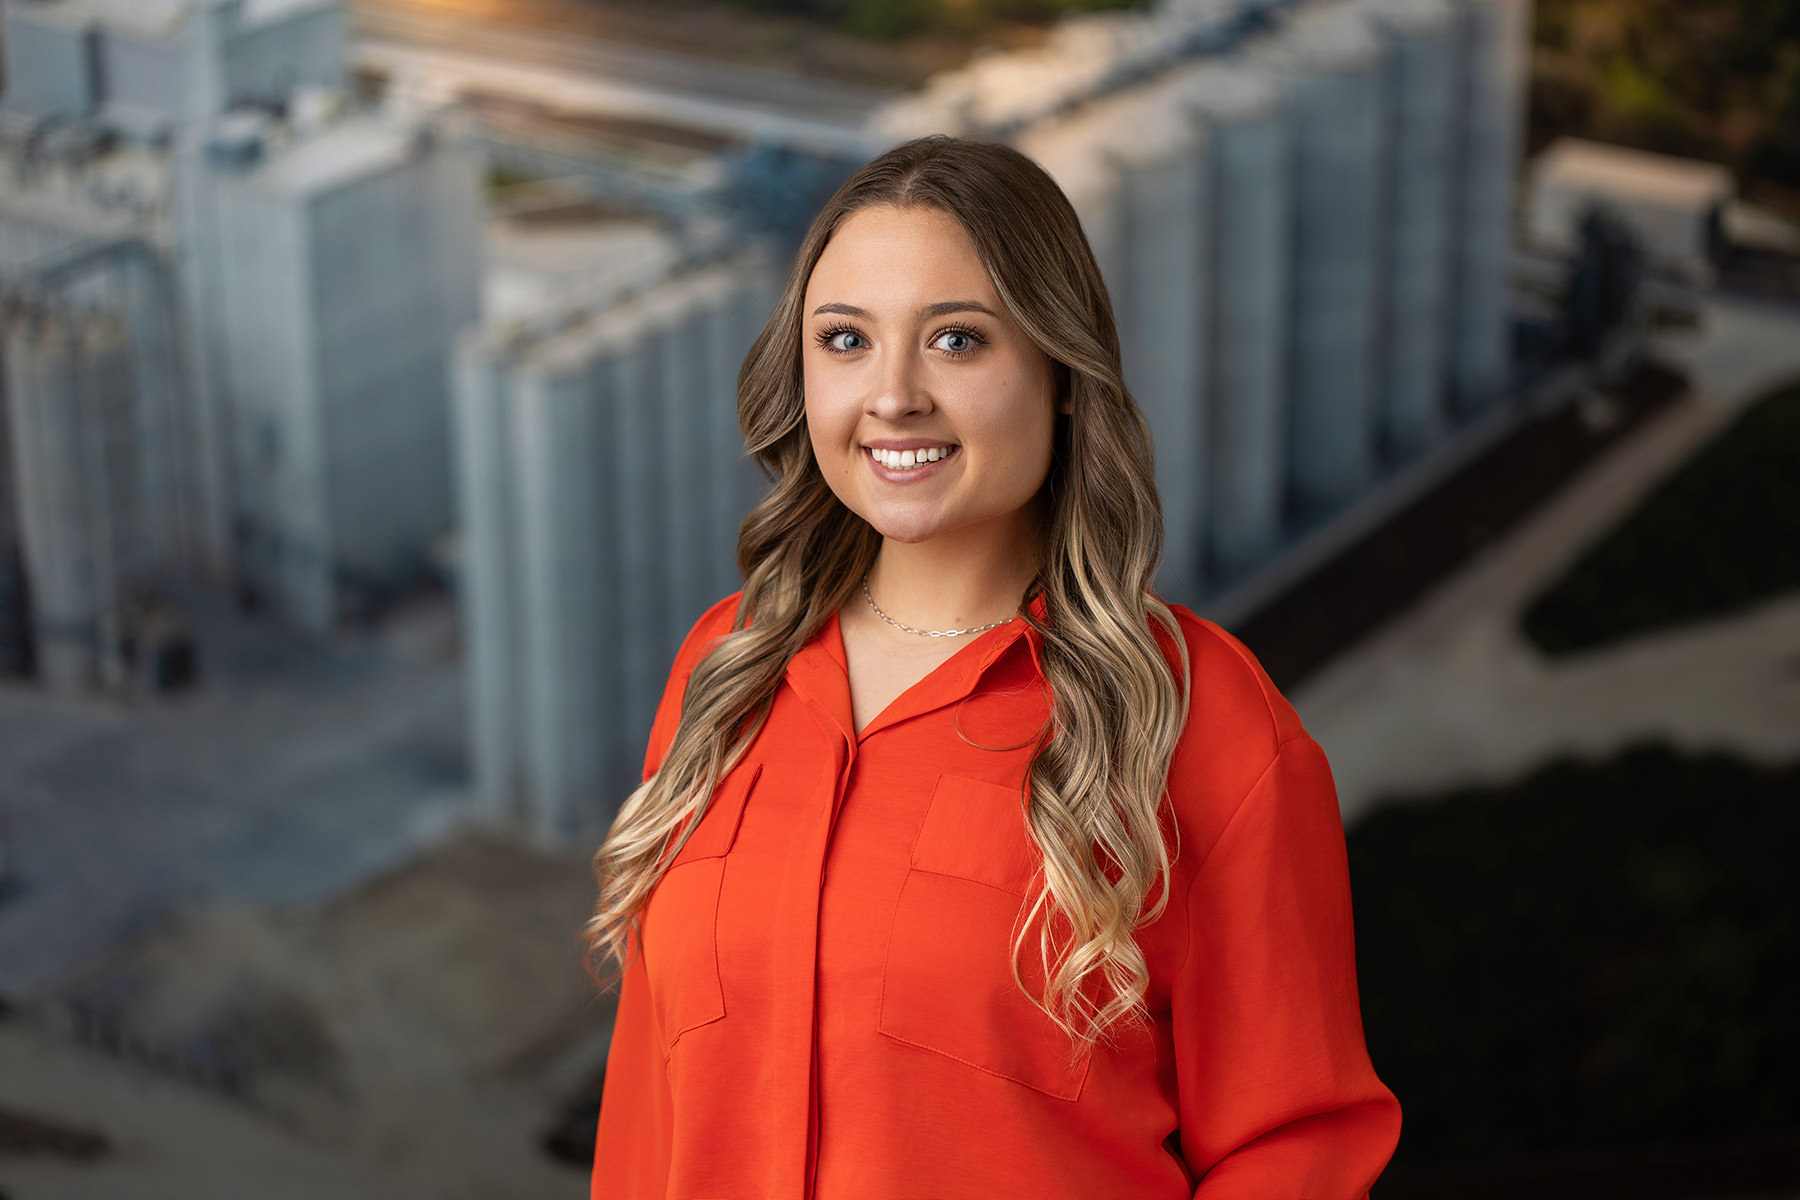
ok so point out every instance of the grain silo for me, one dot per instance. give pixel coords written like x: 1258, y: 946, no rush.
x: 1410, y: 376
x: 75, y: 434
x: 584, y: 476
x: 1137, y: 163
x: 731, y: 315
x: 332, y: 270
x: 1490, y: 47
x: 1331, y: 67
x: 488, y: 568
x: 1251, y: 235
x: 569, y: 586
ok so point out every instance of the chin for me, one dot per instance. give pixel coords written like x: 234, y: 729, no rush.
x: 901, y: 528
x: 900, y: 531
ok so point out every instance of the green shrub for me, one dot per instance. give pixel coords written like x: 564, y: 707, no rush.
x: 1604, y: 955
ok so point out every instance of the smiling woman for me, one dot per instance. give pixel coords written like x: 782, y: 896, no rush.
x: 964, y: 865
x: 904, y: 367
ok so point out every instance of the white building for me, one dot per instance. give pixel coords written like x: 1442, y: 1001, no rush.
x: 1676, y: 206
x: 288, y: 280
x: 331, y: 270
x: 153, y: 65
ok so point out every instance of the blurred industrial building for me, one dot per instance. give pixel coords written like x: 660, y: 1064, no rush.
x: 306, y: 307
x: 1303, y: 213
x: 228, y: 304
x: 265, y: 336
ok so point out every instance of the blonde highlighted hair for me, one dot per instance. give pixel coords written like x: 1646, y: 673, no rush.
x: 1117, y: 708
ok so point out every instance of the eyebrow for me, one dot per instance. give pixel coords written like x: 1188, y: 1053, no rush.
x: 940, y: 309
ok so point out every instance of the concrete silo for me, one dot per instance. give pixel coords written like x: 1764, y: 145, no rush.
x: 568, y: 586
x: 732, y: 317
x: 1410, y: 380
x: 1138, y: 162
x: 583, y: 477
x: 73, y: 424
x: 1244, y: 382
x: 1491, y: 39
x: 489, y: 569
x: 1332, y: 69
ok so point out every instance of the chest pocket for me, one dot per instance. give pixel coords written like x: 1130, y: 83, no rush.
x: 947, y: 982
x: 680, y: 927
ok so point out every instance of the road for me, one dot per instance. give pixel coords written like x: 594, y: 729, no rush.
x: 1449, y: 692
x: 432, y: 56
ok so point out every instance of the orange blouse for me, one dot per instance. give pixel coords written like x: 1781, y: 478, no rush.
x: 823, y: 1006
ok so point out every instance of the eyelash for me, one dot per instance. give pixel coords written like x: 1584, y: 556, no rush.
x: 826, y: 336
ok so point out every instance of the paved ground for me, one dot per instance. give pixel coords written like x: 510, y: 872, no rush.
x: 1448, y: 692
x: 417, y: 1035
x: 296, y: 770
x: 279, y: 870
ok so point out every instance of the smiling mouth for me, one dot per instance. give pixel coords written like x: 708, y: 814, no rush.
x: 910, y: 460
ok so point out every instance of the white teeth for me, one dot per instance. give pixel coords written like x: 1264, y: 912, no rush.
x: 908, y: 460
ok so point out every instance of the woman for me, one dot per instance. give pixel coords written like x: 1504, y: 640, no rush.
x: 944, y: 882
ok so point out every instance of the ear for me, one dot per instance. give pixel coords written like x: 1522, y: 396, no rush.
x: 1062, y: 381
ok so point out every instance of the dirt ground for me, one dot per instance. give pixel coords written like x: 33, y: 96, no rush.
x: 416, y: 1037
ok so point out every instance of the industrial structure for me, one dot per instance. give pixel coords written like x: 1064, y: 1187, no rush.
x: 1303, y: 215
x: 1677, y: 207
x: 229, y: 302
x: 1302, y: 209
x: 331, y: 271
x: 602, y: 478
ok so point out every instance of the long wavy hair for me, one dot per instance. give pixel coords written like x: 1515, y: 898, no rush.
x: 1117, y: 707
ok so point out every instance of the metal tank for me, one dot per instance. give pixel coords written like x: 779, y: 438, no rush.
x: 488, y: 570
x: 1244, y: 384
x: 590, y: 511
x: 1147, y: 156
x: 732, y: 316
x: 1332, y: 69
x: 74, y: 429
x: 1490, y: 47
x: 571, y: 627
x: 1410, y: 376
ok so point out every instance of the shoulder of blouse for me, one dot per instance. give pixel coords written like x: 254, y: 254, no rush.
x: 713, y: 624
x: 1230, y: 684
x: 1238, y: 723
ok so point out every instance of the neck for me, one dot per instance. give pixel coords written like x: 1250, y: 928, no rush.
x: 956, y: 580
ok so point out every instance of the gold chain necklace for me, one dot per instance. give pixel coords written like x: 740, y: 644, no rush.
x: 925, y: 632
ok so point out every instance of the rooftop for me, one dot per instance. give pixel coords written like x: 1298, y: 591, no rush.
x: 1681, y: 182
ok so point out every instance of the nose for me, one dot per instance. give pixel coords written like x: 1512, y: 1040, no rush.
x: 899, y: 389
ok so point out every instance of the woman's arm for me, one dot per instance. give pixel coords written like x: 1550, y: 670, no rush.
x: 1277, y: 1095
x: 631, y: 1146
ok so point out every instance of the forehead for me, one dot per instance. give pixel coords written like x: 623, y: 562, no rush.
x: 900, y: 257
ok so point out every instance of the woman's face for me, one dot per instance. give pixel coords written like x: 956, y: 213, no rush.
x: 909, y: 353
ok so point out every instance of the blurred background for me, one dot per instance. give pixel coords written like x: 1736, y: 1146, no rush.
x: 368, y: 444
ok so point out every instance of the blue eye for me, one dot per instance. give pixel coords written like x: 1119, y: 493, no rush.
x: 959, y: 340
x: 841, y: 340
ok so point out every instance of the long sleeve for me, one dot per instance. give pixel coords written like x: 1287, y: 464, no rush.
x: 632, y: 1142
x: 1277, y: 1096
x: 631, y: 1146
